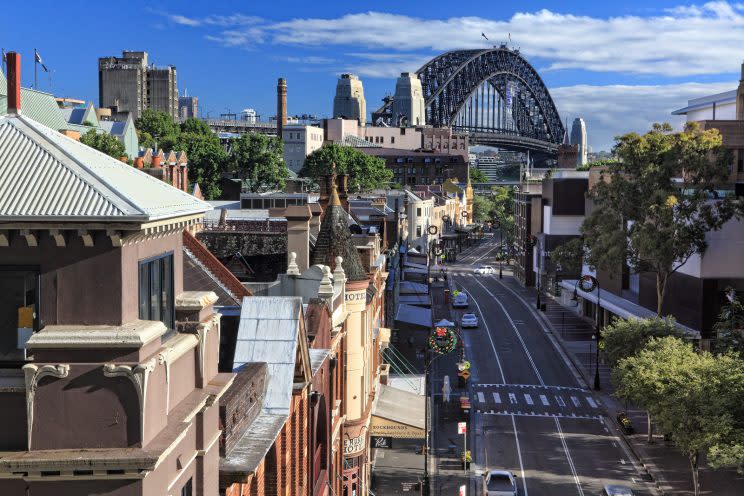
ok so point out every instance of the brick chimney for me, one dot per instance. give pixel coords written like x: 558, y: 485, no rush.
x: 281, y: 106
x: 14, y: 82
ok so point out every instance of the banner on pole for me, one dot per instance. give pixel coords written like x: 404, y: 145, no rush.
x: 462, y: 427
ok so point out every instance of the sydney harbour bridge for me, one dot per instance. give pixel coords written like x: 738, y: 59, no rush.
x: 494, y: 95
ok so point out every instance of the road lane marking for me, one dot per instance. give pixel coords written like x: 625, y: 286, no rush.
x: 575, y: 401
x: 497, y: 397
x: 528, y: 399
x: 488, y: 333
x: 568, y: 457
x: 560, y: 401
x: 590, y: 401
x: 519, y: 455
x: 481, y: 397
x: 544, y: 400
x: 513, y: 398
x: 519, y: 336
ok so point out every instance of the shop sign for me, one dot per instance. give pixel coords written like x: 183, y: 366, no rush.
x: 354, y: 444
x: 382, y: 442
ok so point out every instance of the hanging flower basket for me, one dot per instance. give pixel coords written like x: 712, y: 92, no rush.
x: 625, y: 424
x: 443, y: 340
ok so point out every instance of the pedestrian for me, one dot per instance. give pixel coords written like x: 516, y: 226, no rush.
x: 446, y: 389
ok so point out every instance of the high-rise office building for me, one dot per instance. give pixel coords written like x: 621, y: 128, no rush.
x: 349, y: 101
x: 188, y: 107
x: 131, y: 84
x: 408, y: 103
x: 578, y: 137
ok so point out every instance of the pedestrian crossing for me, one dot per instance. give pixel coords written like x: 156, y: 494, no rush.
x: 536, y: 401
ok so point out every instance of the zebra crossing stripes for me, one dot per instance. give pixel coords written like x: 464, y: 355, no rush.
x: 496, y: 398
x: 544, y: 400
x: 535, y: 401
x: 481, y: 397
x: 528, y: 399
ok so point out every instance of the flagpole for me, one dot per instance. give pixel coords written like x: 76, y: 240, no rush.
x: 36, y: 70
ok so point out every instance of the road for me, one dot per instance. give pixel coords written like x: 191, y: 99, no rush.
x: 531, y: 415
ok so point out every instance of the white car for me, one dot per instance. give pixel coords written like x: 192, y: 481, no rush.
x: 485, y: 270
x: 500, y: 483
x: 468, y: 320
x: 460, y: 301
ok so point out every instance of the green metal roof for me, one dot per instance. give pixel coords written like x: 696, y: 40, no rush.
x: 39, y: 106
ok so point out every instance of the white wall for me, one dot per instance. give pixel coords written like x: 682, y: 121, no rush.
x: 561, y: 224
x: 724, y: 112
x: 722, y: 259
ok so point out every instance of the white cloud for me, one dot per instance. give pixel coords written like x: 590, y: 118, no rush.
x: 184, y: 21
x: 215, y: 20
x: 613, y: 110
x: 687, y: 40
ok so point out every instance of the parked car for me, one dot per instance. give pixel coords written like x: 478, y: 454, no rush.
x: 485, y: 270
x: 613, y: 490
x: 469, y: 320
x: 500, y: 483
x: 460, y: 301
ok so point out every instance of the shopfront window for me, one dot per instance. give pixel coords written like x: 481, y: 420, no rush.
x: 19, y: 311
x: 156, y: 290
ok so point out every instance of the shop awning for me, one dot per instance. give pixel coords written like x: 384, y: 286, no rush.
x: 411, y: 314
x: 398, y: 414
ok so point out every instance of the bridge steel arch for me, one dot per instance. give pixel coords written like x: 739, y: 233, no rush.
x: 452, y: 80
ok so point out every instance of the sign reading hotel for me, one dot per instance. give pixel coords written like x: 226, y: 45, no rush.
x: 354, y: 445
x: 389, y: 428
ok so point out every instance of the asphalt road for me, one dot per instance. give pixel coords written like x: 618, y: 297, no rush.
x: 530, y: 414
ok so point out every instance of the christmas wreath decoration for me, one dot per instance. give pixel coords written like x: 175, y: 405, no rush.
x: 443, y: 340
x: 587, y: 283
x: 432, y: 230
x: 436, y: 250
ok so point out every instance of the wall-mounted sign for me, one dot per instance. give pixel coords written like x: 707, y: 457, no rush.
x: 354, y: 445
x: 389, y: 428
x: 385, y: 442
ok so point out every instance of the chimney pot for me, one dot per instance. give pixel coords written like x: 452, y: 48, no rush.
x: 14, y: 82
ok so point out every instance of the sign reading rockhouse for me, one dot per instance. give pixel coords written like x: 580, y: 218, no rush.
x: 354, y: 445
x: 388, y: 428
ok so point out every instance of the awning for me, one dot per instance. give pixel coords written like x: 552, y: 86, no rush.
x: 621, y: 307
x: 418, y: 299
x: 410, y: 287
x: 397, y: 414
x: 445, y: 323
x: 410, y: 314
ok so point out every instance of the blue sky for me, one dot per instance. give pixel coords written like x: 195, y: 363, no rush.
x: 620, y: 65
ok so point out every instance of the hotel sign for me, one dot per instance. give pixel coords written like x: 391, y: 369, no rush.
x: 354, y: 445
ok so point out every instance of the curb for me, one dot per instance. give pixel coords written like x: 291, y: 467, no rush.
x: 556, y: 338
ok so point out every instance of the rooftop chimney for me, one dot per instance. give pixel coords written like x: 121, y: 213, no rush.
x: 14, y: 82
x: 281, y: 106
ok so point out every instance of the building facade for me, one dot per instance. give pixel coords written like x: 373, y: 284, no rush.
x: 130, y: 84
x: 188, y: 107
x: 578, y: 138
x: 97, y: 327
x: 349, y: 102
x: 299, y: 142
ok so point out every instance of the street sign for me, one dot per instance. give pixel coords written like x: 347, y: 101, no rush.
x: 463, y: 490
x: 462, y: 427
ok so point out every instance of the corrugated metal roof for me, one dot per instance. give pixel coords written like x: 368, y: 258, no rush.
x: 47, y: 176
x: 410, y: 314
x: 268, y: 332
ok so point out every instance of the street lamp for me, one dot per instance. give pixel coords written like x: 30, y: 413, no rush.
x: 497, y: 223
x: 587, y: 283
x: 427, y: 368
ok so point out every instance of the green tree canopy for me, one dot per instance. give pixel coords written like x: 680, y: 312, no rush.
x: 258, y: 160
x: 627, y: 337
x: 157, y: 123
x: 654, y: 206
x: 196, y: 126
x: 207, y: 159
x: 477, y: 175
x: 365, y: 172
x: 568, y: 257
x: 730, y: 326
x: 104, y: 142
x: 482, y: 208
x: 697, y: 399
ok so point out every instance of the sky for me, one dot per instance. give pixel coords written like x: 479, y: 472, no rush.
x: 619, y: 65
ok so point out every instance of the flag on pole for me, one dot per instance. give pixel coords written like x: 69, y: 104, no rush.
x: 38, y: 60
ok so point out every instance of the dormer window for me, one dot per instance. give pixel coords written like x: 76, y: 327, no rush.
x: 156, y: 290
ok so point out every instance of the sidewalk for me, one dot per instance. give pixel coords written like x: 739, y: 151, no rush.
x: 668, y: 467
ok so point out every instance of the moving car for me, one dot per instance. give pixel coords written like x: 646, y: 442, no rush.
x: 613, y: 490
x: 460, y: 301
x: 469, y: 320
x: 500, y: 483
x: 485, y: 270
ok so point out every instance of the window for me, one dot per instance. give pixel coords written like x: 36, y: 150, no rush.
x: 19, y: 310
x: 392, y: 140
x: 187, y: 489
x: 418, y: 212
x: 740, y: 161
x: 156, y: 290
x: 418, y: 231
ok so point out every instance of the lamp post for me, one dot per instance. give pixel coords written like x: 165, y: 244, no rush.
x: 428, y: 362
x: 587, y: 283
x: 501, y: 247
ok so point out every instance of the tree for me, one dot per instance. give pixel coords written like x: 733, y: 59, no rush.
x: 145, y: 139
x: 365, y: 172
x: 627, y: 337
x: 482, y: 208
x: 730, y: 326
x: 477, y: 175
x: 503, y: 212
x: 157, y: 124
x: 207, y: 160
x: 257, y: 159
x: 697, y: 399
x: 656, y: 205
x: 567, y: 257
x: 104, y: 142
x: 196, y: 126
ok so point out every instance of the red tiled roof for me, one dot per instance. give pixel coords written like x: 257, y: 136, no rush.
x: 215, y: 266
